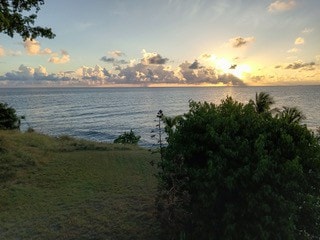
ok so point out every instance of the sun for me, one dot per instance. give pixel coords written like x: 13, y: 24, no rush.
x: 228, y: 67
x: 240, y: 70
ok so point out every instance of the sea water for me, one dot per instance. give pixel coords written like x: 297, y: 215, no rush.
x: 102, y: 114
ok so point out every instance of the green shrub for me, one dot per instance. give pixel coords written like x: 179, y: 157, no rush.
x: 230, y: 172
x: 8, y: 117
x: 127, y: 138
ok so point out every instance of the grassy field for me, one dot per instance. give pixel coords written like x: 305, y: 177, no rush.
x: 62, y: 188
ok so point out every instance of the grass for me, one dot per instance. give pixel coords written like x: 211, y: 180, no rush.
x: 63, y: 188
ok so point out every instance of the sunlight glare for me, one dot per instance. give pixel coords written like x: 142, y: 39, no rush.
x: 225, y: 66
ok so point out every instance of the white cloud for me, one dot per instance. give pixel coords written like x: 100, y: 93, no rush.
x: 146, y: 72
x: 65, y: 57
x: 22, y: 74
x: 280, y: 6
x: 33, y: 48
x: 91, y: 73
x: 40, y: 72
x: 299, y: 41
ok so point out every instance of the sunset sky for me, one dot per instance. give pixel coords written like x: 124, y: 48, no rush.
x: 168, y: 42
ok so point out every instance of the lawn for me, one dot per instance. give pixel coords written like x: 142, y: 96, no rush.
x: 63, y: 188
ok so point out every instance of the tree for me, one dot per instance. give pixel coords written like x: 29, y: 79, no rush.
x: 8, y: 117
x: 127, y: 138
x: 291, y: 115
x: 263, y: 102
x: 14, y: 19
x: 230, y: 172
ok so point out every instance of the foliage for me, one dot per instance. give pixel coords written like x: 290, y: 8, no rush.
x: 230, y: 172
x: 14, y: 19
x: 291, y: 115
x: 127, y: 138
x: 263, y: 102
x: 8, y: 117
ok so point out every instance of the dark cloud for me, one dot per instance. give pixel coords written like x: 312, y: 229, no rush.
x: 106, y: 73
x: 206, y: 55
x: 238, y: 42
x: 258, y: 78
x: 108, y: 60
x: 153, y: 58
x: 122, y: 61
x: 117, y: 67
x: 145, y: 74
x: 157, y: 60
x: 298, y: 65
x: 195, y: 65
x: 207, y: 75
x: 229, y: 79
x: 233, y: 66
x: 113, y: 60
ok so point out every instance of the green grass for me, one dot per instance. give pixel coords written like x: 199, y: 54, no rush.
x: 62, y: 188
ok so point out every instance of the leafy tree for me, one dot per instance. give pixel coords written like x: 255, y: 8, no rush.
x: 14, y: 19
x: 291, y: 115
x: 263, y: 102
x: 8, y: 117
x: 230, y: 172
x: 127, y: 138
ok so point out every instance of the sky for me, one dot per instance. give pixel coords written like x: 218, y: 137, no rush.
x: 150, y: 43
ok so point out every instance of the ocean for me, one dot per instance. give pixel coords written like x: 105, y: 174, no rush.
x: 102, y: 114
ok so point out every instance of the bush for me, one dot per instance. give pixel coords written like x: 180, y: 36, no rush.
x: 127, y: 138
x: 230, y: 172
x: 8, y: 117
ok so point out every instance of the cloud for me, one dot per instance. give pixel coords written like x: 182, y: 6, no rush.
x: 113, y: 60
x: 33, y: 48
x: 106, y: 59
x: 94, y: 74
x: 145, y: 74
x: 206, y: 56
x: 299, y: 65
x: 233, y: 66
x: 135, y: 73
x: 281, y: 6
x: 293, y: 50
x: 307, y: 30
x: 28, y: 75
x: 195, y: 65
x: 40, y: 72
x: 23, y: 73
x: 207, y: 75
x: 117, y: 53
x: 153, y: 58
x: 4, y: 52
x: 238, y: 42
x: 65, y: 57
x: 299, y: 41
x: 258, y: 78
